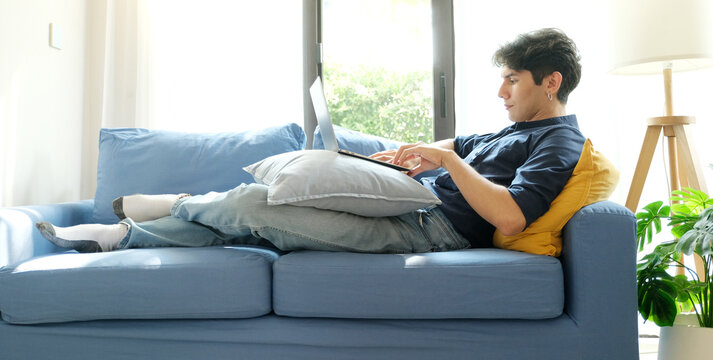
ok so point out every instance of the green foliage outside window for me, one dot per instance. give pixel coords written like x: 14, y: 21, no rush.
x: 385, y: 103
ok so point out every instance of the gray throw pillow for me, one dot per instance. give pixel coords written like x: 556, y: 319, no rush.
x: 328, y: 180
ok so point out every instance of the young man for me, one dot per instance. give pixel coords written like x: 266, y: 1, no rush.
x: 501, y: 181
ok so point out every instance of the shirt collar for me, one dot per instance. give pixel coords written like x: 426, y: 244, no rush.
x: 570, y: 120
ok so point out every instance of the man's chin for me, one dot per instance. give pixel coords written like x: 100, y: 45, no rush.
x: 516, y: 118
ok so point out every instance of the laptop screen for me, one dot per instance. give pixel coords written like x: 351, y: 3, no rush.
x: 324, y: 121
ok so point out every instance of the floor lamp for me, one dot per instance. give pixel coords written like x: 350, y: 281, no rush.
x: 662, y: 36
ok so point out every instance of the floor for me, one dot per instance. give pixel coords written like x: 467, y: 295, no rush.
x: 648, y: 348
x: 648, y: 340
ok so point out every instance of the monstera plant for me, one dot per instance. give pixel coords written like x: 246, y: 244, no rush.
x: 661, y: 294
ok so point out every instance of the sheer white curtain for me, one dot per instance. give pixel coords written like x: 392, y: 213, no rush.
x: 612, y: 110
x: 221, y: 65
x: 190, y: 65
x: 204, y: 65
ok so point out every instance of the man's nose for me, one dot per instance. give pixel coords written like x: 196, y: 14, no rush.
x: 502, y: 93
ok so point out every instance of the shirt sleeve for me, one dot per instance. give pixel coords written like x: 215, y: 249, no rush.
x: 546, y: 171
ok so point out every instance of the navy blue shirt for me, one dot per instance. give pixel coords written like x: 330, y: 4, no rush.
x: 533, y: 160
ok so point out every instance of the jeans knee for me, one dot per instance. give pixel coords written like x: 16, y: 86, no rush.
x: 247, y: 198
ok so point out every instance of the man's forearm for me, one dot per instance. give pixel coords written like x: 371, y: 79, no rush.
x: 491, y: 201
x: 447, y: 144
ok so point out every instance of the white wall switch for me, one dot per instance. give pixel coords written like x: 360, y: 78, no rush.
x: 56, y: 36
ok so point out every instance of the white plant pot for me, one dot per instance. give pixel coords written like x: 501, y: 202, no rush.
x: 685, y: 342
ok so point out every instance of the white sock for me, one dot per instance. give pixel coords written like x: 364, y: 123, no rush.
x: 107, y: 236
x: 142, y: 207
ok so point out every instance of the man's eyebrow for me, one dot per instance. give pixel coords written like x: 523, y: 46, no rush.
x: 512, y: 73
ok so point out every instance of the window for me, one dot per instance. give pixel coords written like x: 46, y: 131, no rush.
x: 378, y: 66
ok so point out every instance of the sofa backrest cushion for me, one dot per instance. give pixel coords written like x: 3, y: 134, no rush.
x: 594, y: 178
x: 357, y: 142
x: 145, y: 161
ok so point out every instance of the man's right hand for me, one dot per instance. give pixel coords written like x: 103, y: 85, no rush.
x: 427, y: 157
x: 388, y: 156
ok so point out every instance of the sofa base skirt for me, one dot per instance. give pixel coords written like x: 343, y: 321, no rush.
x: 276, y: 337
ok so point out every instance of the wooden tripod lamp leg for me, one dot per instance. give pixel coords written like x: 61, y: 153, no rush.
x: 683, y: 173
x: 642, y: 166
x: 673, y: 163
x: 689, y: 165
x: 691, y: 174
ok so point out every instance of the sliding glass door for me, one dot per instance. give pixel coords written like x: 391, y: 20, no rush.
x: 377, y: 62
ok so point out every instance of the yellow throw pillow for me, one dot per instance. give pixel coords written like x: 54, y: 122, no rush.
x: 593, y: 179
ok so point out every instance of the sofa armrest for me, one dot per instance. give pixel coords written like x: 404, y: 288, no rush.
x: 599, y: 264
x: 19, y: 239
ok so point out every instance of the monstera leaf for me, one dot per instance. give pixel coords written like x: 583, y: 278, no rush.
x: 648, y: 220
x: 662, y: 296
x: 657, y: 293
x: 699, y: 239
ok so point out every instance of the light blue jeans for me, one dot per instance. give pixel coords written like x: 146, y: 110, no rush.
x: 242, y: 216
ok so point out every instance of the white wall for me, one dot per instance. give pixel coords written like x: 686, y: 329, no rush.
x: 53, y: 102
x: 41, y: 101
x: 612, y: 110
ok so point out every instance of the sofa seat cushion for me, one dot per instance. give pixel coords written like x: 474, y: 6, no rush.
x: 162, y: 283
x: 472, y: 283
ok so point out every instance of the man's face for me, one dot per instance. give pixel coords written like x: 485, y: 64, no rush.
x: 524, y: 100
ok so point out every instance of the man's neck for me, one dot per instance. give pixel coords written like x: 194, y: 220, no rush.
x: 554, y: 111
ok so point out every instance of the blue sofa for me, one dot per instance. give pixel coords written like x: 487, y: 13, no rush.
x: 254, y: 302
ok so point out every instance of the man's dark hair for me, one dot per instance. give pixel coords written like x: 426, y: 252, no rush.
x: 543, y: 52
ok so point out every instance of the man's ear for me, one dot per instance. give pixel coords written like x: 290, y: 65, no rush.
x: 553, y: 82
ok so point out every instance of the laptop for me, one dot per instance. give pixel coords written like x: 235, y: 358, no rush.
x: 319, y: 101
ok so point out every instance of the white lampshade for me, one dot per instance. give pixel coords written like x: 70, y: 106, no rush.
x: 646, y: 34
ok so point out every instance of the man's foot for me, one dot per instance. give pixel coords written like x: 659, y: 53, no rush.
x: 142, y: 208
x: 85, y: 238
